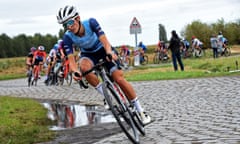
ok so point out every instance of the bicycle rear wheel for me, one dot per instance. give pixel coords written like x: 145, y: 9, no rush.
x: 121, y: 112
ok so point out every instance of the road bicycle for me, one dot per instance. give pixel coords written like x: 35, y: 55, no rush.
x: 36, y: 69
x: 64, y: 73
x: 226, y: 51
x: 160, y: 56
x: 125, y: 61
x: 67, y: 74
x: 122, y: 109
x: 144, y: 59
x: 52, y: 76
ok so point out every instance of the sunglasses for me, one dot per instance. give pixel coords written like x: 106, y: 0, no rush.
x: 69, y: 23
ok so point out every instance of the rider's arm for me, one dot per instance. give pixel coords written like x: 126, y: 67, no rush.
x: 44, y: 57
x: 72, y: 63
x: 34, y: 57
x: 101, y: 36
x: 107, y: 46
x: 68, y: 47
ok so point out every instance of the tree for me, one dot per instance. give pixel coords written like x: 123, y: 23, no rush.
x: 162, y: 33
x: 6, y: 46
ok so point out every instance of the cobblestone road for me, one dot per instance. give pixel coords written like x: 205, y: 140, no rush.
x: 190, y: 111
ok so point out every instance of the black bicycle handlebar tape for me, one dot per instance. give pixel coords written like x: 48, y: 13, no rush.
x: 77, y: 74
x: 109, y: 56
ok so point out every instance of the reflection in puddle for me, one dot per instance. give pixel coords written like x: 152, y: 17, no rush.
x: 73, y: 115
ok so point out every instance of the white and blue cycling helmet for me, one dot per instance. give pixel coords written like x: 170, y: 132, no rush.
x: 66, y: 13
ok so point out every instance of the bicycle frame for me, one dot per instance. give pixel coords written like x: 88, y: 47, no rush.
x: 66, y: 68
x: 36, y: 70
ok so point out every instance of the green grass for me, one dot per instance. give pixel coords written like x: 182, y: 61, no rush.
x: 23, y: 121
x: 194, y: 68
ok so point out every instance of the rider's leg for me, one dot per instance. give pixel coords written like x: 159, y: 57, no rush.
x: 28, y: 69
x: 174, y: 60
x: 86, y: 64
x: 178, y: 56
x: 128, y: 90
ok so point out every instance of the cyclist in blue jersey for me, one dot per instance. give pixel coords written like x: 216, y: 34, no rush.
x: 143, y: 50
x: 94, y: 45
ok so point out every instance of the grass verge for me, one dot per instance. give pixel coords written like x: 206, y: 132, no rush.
x: 23, y: 121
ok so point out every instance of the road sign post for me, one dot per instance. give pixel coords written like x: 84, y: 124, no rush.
x: 135, y: 28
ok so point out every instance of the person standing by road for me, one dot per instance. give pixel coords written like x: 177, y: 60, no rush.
x: 174, y: 46
x: 214, y: 45
x: 94, y: 45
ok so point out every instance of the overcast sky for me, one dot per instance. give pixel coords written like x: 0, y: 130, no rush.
x: 32, y: 16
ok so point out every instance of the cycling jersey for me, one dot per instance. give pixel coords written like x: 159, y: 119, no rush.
x: 30, y: 55
x: 29, y: 58
x: 125, y: 51
x: 40, y: 55
x: 89, y: 42
x: 196, y: 43
x: 143, y: 47
x: 53, y: 51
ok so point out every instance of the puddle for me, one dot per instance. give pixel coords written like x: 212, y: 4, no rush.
x: 75, y: 115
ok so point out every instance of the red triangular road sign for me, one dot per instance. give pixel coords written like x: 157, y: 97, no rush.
x: 135, y: 23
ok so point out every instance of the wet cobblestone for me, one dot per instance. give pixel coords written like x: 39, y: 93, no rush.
x: 189, y: 111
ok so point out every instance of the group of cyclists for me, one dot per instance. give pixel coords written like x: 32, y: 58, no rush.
x: 39, y: 57
x: 36, y: 56
x: 125, y: 52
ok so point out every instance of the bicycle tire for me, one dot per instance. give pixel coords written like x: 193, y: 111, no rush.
x: 50, y: 80
x: 68, y: 78
x: 129, y: 61
x: 156, y: 59
x: 29, y: 78
x: 36, y: 76
x: 121, y: 111
x: 227, y: 52
x: 145, y: 59
x: 83, y: 83
x: 136, y: 116
x: 59, y: 77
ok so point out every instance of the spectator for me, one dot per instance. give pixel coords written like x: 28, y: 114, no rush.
x: 196, y: 46
x: 175, y: 49
x: 214, y: 45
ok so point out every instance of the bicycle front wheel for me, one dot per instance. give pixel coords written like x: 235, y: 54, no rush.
x: 69, y: 78
x: 29, y: 80
x: 121, y: 112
